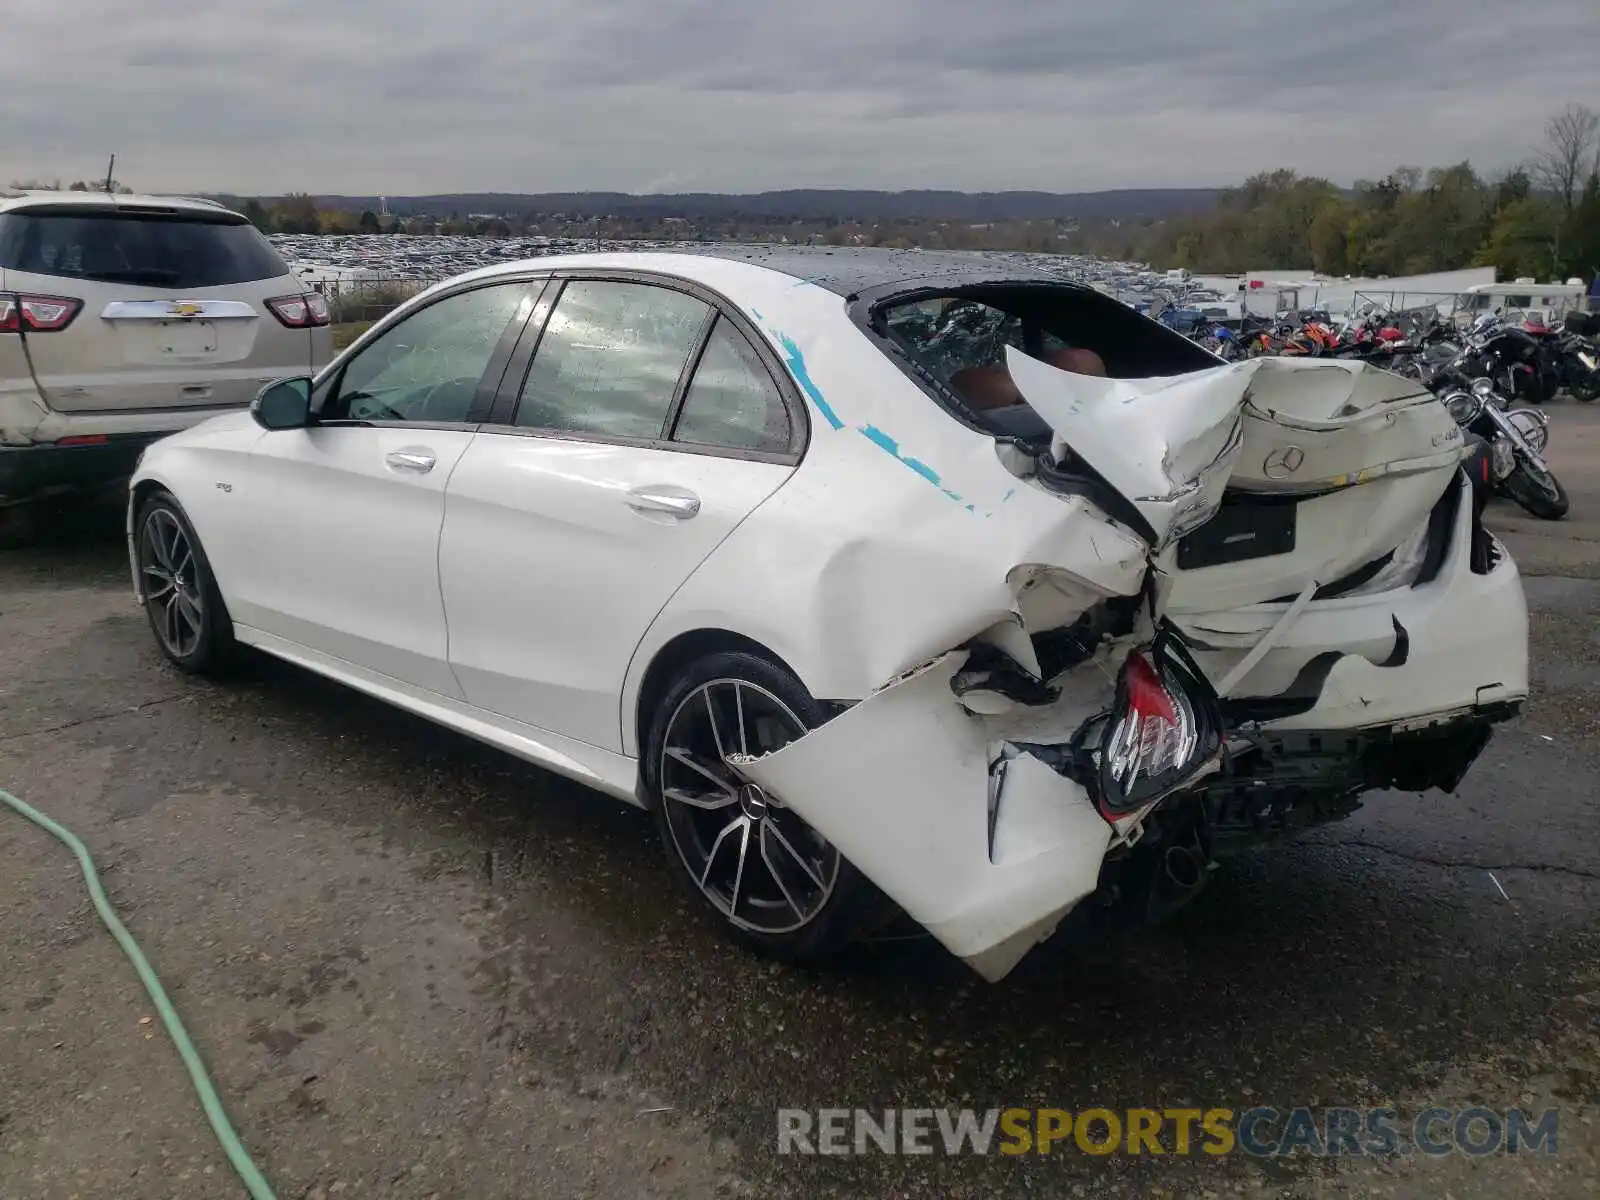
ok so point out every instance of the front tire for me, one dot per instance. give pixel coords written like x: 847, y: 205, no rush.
x: 774, y: 884
x: 1538, y: 491
x: 186, y: 613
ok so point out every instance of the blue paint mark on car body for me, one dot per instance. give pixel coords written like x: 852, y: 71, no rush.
x: 796, y: 362
x: 884, y: 442
x: 797, y: 367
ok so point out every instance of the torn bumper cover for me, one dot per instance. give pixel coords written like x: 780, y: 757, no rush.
x: 986, y: 830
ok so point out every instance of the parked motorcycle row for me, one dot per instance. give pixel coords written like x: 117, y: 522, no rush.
x: 1494, y: 376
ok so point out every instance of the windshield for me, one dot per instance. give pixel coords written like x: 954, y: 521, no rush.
x: 147, y: 250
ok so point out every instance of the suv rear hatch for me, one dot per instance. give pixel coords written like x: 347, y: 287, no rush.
x: 173, y: 305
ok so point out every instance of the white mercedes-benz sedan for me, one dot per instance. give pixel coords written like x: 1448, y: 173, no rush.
x: 890, y: 581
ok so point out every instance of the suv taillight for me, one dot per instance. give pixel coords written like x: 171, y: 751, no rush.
x: 1165, y: 728
x: 20, y: 313
x: 305, y: 311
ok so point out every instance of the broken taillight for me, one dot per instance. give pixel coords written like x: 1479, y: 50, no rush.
x: 1165, y: 728
x: 20, y: 313
x: 305, y: 311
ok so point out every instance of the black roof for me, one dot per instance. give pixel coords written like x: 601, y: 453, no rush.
x: 851, y: 270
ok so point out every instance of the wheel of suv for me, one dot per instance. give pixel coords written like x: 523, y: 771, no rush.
x: 181, y: 599
x: 774, y: 883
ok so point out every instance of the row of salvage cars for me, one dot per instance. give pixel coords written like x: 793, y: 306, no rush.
x: 713, y: 533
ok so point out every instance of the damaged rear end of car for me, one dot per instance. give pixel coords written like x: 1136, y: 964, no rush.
x: 1090, y: 643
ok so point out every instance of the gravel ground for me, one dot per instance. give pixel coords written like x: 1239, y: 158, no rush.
x: 419, y: 968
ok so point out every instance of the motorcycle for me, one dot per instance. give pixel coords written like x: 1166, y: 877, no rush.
x: 1513, y: 358
x: 1508, y: 444
x: 1572, y: 349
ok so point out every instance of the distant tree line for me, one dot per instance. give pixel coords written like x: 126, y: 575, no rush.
x: 98, y: 185
x: 1540, y: 219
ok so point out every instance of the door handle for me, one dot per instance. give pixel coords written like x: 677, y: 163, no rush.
x: 674, y: 502
x: 418, y: 461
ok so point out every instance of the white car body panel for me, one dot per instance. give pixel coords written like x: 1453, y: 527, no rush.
x: 347, y: 563
x: 902, y: 537
x: 545, y: 614
x: 602, y: 770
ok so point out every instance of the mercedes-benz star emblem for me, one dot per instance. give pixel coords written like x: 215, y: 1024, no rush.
x: 1283, y: 462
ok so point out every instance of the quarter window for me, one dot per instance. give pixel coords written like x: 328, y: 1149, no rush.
x: 732, y: 401
x: 427, y: 368
x: 610, y: 359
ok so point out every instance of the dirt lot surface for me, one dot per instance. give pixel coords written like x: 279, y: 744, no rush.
x: 418, y: 968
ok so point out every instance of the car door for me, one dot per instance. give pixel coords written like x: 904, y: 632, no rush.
x: 344, y: 557
x: 646, y: 428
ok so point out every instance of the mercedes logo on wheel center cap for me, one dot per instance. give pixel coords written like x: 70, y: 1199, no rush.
x: 753, y: 801
x: 1283, y: 462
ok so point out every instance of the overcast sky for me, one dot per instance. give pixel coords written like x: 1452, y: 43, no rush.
x: 406, y: 97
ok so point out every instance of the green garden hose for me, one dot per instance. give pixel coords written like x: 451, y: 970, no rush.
x: 255, y: 1183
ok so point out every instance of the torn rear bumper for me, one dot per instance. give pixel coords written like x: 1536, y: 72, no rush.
x: 1450, y: 645
x: 1283, y: 782
x: 986, y: 847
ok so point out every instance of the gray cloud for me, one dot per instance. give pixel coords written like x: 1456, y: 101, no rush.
x: 402, y: 96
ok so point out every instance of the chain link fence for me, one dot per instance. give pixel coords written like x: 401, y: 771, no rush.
x: 364, y: 300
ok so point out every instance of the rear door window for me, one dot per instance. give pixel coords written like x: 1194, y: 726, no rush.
x: 138, y: 249
x: 610, y: 359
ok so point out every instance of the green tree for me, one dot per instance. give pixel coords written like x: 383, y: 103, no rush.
x: 369, y: 222
x: 256, y: 213
x: 297, y: 213
x: 1519, y: 241
x: 1580, y: 235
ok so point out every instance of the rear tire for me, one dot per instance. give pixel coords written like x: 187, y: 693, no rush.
x: 774, y: 884
x: 1540, y: 492
x: 185, y: 610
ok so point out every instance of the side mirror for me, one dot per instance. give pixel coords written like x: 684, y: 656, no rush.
x: 285, y: 404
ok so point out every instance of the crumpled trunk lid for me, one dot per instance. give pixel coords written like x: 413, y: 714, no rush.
x: 1257, y: 478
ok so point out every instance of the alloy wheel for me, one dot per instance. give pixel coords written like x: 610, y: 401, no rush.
x: 758, y: 863
x: 169, y: 574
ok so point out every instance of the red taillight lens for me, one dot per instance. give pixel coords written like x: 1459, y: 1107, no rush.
x: 1155, y: 732
x: 300, y: 312
x: 1165, y: 728
x: 21, y: 313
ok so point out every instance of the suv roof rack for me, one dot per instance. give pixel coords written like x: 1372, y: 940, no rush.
x: 206, y: 200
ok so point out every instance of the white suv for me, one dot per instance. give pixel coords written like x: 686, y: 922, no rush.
x: 125, y: 318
